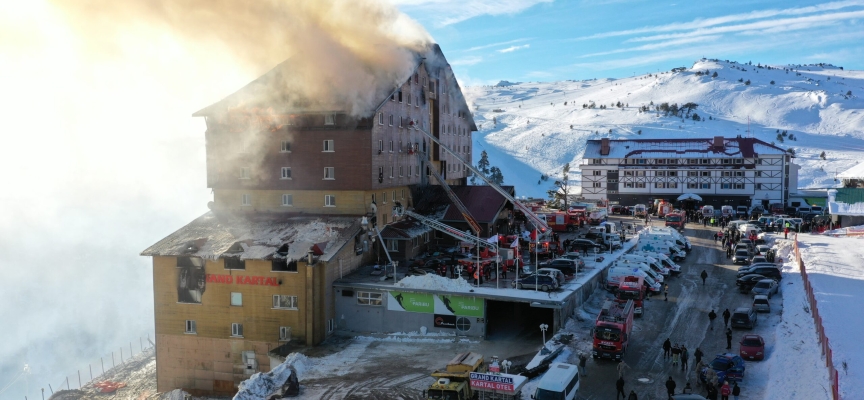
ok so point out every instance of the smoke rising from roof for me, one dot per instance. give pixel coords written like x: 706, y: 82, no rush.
x: 342, y: 55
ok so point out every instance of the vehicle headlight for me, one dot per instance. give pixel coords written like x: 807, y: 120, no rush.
x: 758, y: 353
x: 743, y: 351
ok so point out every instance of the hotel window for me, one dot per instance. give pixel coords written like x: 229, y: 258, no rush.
x: 329, y: 200
x: 234, y: 263
x: 328, y: 146
x: 758, y: 174
x: 284, y: 302
x: 380, y: 118
x: 282, y: 265
x: 757, y: 161
x: 739, y: 173
x: 236, y: 299
x: 402, y: 193
x: 704, y: 161
x: 692, y: 161
x: 190, y: 326
x: 384, y: 197
x: 692, y: 186
x: 727, y: 173
x: 726, y: 186
x: 391, y: 119
x: 399, y: 94
x: 706, y: 173
x: 373, y: 197
x: 628, y: 173
x: 380, y: 146
x: 331, y: 325
x: 286, y: 147
x: 706, y: 186
x: 739, y: 186
x: 658, y: 185
x: 739, y: 161
x: 640, y: 161
x: 417, y: 170
x: 329, y: 173
x: 284, y: 333
x: 595, y: 173
x: 401, y: 171
x: 597, y: 184
x: 237, y: 330
x: 409, y: 99
x: 329, y: 119
x: 391, y: 173
x: 727, y: 161
x: 758, y: 186
x: 416, y: 102
x: 286, y: 173
x: 659, y: 173
x: 288, y: 200
x: 368, y: 298
x: 392, y: 245
x: 672, y: 173
x: 661, y: 161
x: 394, y: 195
x: 673, y: 161
x: 246, y: 200
x: 391, y: 146
x: 672, y: 185
x: 244, y: 173
x: 640, y: 185
x: 596, y: 161
x: 628, y: 185
x: 692, y: 173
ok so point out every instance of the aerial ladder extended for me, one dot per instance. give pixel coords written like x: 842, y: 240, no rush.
x: 535, y: 220
x: 453, y: 198
x: 399, y: 210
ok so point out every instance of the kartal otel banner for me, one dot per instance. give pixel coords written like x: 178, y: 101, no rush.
x: 435, y: 304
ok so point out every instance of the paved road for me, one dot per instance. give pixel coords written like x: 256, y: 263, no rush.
x: 683, y: 319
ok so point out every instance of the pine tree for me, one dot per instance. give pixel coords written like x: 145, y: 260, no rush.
x: 483, y: 164
x: 559, y: 195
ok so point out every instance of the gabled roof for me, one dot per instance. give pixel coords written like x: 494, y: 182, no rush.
x: 404, y: 230
x: 738, y: 147
x: 856, y: 172
x: 483, y: 202
x: 257, y: 236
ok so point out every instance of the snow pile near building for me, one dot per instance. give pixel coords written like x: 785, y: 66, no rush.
x: 263, y: 384
x: 434, y: 282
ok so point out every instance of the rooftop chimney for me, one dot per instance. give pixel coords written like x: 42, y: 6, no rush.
x: 718, y: 142
x: 604, y: 147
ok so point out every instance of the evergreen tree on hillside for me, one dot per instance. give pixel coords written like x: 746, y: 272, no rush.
x: 780, y: 138
x: 483, y: 164
x: 559, y: 195
x: 496, y: 176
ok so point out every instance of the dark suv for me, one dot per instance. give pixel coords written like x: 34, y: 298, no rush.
x: 744, y: 317
x: 766, y: 270
x: 565, y: 265
x: 584, y: 244
x: 535, y: 281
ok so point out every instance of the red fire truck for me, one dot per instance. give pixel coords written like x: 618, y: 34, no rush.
x: 612, y: 330
x: 564, y: 222
x: 676, y: 220
x: 631, y: 288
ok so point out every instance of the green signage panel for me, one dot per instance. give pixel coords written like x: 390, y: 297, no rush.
x: 463, y: 306
x: 411, y: 302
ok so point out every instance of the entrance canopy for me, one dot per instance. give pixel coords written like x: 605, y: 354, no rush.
x: 689, y: 196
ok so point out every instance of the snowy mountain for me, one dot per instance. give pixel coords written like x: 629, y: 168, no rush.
x: 531, y: 129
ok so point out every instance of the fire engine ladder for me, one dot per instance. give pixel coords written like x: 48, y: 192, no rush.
x: 444, y: 228
x: 453, y: 198
x: 386, y: 252
x: 535, y: 220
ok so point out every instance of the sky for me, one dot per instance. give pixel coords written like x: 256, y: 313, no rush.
x: 103, y: 158
x: 542, y: 40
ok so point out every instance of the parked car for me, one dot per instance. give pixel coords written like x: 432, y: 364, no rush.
x: 761, y: 304
x: 728, y: 367
x: 767, y: 287
x: 758, y: 259
x: 616, y: 209
x: 565, y: 265
x: 762, y: 249
x: 536, y: 281
x: 585, y: 244
x: 746, y: 282
x: 743, y: 317
x: 768, y: 270
x: 575, y: 257
x: 752, y: 347
x: 558, y: 275
x: 742, y: 256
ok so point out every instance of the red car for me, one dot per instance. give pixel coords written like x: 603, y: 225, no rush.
x: 752, y: 347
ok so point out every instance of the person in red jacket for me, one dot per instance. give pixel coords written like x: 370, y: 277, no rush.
x: 725, y: 391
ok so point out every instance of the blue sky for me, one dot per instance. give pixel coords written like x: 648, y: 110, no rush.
x: 543, y: 40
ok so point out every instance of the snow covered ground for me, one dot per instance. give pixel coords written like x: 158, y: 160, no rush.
x: 527, y: 130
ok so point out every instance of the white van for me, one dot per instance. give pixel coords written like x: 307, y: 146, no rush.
x: 615, y: 273
x: 560, y: 382
x: 727, y: 211
x: 664, y: 260
x: 661, y: 246
x: 642, y: 266
x: 654, y: 263
x: 707, y: 211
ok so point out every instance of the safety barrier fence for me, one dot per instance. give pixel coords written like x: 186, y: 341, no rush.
x: 102, y: 368
x: 833, y: 376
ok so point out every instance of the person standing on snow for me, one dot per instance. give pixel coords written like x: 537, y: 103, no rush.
x: 632, y: 395
x: 698, y: 355
x: 704, y: 276
x: 676, y: 354
x: 684, y: 356
x: 583, y: 360
x: 667, y: 347
x: 736, y: 391
x: 711, y: 317
x: 725, y: 391
x: 726, y: 315
x: 621, y: 366
x: 728, y: 338
x: 670, y: 386
x: 666, y: 292
x: 619, y: 385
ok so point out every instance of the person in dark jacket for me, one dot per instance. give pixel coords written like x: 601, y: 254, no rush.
x: 704, y: 276
x: 728, y: 338
x: 619, y: 384
x: 712, y: 392
x: 684, y: 356
x: 632, y: 395
x: 670, y: 387
x: 698, y: 354
x: 667, y: 348
x: 736, y: 390
x: 726, y: 315
x: 711, y: 317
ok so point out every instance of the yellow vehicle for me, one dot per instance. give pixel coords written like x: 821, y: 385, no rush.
x: 454, y: 382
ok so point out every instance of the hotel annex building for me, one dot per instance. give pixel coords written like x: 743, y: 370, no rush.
x: 723, y: 171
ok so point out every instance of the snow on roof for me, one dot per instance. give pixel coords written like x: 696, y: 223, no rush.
x: 682, y: 148
x: 856, y: 172
x: 256, y: 236
x: 434, y: 282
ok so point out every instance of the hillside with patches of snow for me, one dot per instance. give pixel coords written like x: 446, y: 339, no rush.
x: 527, y: 129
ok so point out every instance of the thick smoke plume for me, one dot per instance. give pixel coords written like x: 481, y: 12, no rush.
x: 343, y: 54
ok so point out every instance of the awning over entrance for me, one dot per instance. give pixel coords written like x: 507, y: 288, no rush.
x: 816, y: 201
x: 689, y: 196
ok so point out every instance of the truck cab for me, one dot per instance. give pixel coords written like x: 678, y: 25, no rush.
x: 612, y: 330
x: 631, y: 287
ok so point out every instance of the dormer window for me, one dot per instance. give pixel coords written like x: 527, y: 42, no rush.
x: 330, y: 119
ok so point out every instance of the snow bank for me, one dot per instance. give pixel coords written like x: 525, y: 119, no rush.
x: 263, y: 384
x: 434, y: 282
